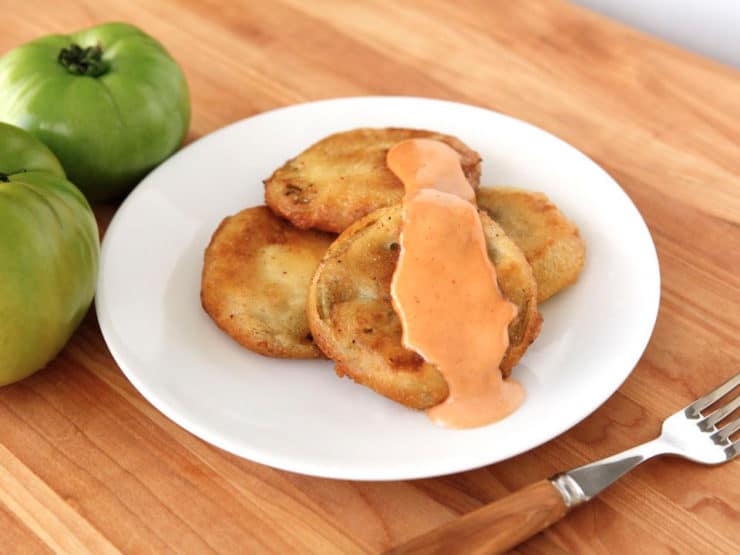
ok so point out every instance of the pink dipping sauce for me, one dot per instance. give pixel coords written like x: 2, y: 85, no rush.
x: 444, y: 287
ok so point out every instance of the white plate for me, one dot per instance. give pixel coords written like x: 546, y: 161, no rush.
x: 297, y: 415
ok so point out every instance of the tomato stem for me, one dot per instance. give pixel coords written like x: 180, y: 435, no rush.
x: 83, y: 61
x: 4, y: 178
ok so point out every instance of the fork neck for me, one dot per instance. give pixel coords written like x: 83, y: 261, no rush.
x: 581, y: 484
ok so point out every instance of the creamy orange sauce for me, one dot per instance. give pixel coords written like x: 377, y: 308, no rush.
x: 444, y: 288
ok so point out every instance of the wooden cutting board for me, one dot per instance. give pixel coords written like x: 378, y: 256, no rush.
x: 88, y: 465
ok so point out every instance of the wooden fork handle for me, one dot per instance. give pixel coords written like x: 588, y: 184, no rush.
x: 495, y: 528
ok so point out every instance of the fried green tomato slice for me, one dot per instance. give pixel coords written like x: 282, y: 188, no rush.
x: 344, y: 176
x: 255, y: 281
x: 353, y: 321
x: 549, y: 240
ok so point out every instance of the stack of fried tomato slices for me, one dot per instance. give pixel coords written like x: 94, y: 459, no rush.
x: 309, y: 275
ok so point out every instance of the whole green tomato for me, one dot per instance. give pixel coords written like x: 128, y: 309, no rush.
x: 109, y: 101
x: 49, y: 250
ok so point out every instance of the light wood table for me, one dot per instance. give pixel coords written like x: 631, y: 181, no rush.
x: 88, y: 465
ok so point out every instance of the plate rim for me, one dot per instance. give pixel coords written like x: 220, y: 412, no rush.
x: 324, y: 470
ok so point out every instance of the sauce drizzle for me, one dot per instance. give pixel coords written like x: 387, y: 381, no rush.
x: 444, y: 288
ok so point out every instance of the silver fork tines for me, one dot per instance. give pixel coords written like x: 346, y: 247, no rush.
x: 733, y: 450
x: 713, y: 419
x: 724, y: 434
x: 695, y: 408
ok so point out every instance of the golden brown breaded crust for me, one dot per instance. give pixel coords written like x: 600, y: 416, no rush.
x: 549, y: 240
x: 255, y: 281
x: 353, y: 321
x: 343, y: 177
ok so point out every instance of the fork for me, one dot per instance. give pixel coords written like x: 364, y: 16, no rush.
x: 693, y: 433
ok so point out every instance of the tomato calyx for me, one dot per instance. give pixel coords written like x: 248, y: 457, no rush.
x: 4, y: 178
x: 83, y: 61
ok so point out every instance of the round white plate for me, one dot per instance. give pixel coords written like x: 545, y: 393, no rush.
x: 297, y: 415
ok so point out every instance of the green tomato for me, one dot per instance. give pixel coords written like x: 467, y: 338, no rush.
x: 49, y: 250
x: 109, y: 101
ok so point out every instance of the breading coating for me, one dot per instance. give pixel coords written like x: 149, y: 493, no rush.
x: 353, y: 321
x: 255, y: 281
x: 549, y: 240
x: 344, y: 176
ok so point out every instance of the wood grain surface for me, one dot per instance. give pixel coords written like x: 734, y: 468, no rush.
x: 88, y: 466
